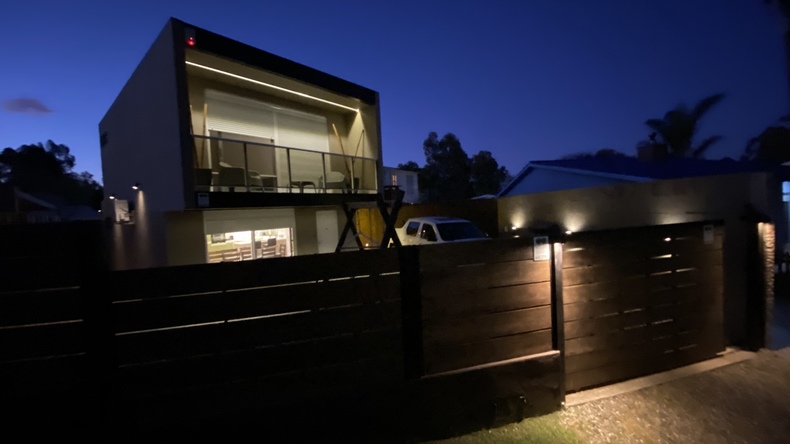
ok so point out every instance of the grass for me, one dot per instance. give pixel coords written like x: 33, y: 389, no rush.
x: 546, y: 429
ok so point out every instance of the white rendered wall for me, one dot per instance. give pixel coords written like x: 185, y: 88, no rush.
x: 142, y: 145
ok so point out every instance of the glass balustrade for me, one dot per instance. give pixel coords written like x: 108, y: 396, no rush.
x: 226, y: 165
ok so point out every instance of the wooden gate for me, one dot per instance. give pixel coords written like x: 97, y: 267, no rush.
x: 642, y: 300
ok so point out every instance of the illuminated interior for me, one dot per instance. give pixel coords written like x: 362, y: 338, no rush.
x: 249, y: 245
x: 258, y: 131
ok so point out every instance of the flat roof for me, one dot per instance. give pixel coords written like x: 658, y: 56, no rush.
x: 232, y: 49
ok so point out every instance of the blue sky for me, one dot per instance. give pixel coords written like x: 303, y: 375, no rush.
x: 524, y: 79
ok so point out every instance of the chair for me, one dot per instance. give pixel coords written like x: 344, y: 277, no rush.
x: 230, y: 176
x: 335, y: 180
x: 255, y: 179
x: 302, y: 184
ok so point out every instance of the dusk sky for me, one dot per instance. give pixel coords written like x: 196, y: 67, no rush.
x: 524, y: 79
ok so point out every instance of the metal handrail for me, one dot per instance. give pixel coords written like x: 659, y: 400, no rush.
x: 288, y: 160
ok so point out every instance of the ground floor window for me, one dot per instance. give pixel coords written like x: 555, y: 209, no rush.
x: 248, y: 245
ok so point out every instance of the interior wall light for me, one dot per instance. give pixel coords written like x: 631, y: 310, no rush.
x: 269, y: 85
x: 112, y: 196
x: 136, y: 186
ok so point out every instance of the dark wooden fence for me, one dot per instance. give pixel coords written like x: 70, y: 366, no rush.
x: 483, y: 303
x: 240, y: 340
x: 422, y: 341
x: 486, y: 335
x: 276, y: 342
x: 640, y: 300
x: 45, y: 372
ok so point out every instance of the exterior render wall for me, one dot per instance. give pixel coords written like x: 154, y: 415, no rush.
x: 141, y: 144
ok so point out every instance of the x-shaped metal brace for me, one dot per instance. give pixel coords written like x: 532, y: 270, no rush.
x: 389, y: 218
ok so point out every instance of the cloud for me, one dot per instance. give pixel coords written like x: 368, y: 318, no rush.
x: 26, y: 105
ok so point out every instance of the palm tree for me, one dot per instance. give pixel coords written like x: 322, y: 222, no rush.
x: 679, y: 126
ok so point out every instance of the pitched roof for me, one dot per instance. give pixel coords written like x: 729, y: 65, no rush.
x: 633, y: 169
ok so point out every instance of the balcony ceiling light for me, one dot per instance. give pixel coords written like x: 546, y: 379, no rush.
x: 269, y: 85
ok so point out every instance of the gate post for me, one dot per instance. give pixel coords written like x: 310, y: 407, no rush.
x: 557, y: 312
x: 411, y: 311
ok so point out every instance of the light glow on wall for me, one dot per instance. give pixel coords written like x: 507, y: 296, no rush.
x: 269, y: 85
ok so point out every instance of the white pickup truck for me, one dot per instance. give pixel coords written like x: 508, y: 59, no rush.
x: 432, y: 230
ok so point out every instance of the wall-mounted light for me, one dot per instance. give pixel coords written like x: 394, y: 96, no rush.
x: 269, y: 85
x: 112, y: 196
x: 136, y: 186
x: 568, y: 232
x: 667, y: 239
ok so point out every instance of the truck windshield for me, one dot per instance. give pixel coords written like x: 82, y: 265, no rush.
x: 451, y: 231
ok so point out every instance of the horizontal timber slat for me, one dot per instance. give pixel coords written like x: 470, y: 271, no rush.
x: 640, y: 300
x: 612, y: 341
x: 642, y: 360
x: 255, y: 363
x: 579, y: 256
x: 35, y: 272
x: 458, y: 331
x: 442, y: 359
x: 646, y: 350
x: 230, y: 336
x: 701, y: 309
x: 42, y: 340
x: 191, y: 279
x: 46, y: 376
x: 248, y: 396
x: 684, y: 233
x: 483, y: 276
x: 636, y: 286
x: 481, y: 301
x: 195, y: 309
x: 605, y: 307
x: 452, y: 255
x: 36, y: 307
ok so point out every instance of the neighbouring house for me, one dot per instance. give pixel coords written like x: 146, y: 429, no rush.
x: 405, y: 180
x: 215, y: 150
x: 17, y: 206
x: 768, y: 184
x: 603, y: 194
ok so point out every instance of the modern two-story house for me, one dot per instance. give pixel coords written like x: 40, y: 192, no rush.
x: 215, y: 151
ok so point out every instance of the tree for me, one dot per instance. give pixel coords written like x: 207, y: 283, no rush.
x: 445, y: 175
x: 485, y: 174
x: 772, y: 145
x: 47, y: 168
x: 449, y: 174
x: 409, y: 166
x: 678, y: 128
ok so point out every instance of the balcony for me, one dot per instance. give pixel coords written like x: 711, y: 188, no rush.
x: 231, y: 165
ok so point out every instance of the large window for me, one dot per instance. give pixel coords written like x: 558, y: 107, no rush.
x: 248, y: 245
x: 284, y: 127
